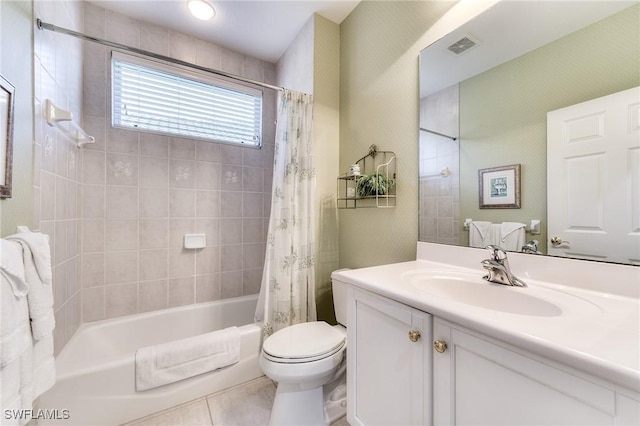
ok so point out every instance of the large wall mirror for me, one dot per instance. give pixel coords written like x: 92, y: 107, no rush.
x: 492, y: 91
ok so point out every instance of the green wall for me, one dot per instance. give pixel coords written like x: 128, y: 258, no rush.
x: 503, y: 110
x: 379, y: 104
x: 16, y: 59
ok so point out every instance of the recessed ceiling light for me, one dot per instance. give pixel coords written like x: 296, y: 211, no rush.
x: 201, y: 9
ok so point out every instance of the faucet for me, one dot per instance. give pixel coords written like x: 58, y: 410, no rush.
x: 531, y: 247
x: 498, y: 267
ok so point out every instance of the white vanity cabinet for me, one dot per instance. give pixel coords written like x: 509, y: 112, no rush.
x: 389, y: 362
x: 451, y: 375
x: 480, y: 381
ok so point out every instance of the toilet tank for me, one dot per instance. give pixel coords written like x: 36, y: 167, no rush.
x: 340, y: 301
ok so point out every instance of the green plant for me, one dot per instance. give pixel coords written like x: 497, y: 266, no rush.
x: 375, y: 183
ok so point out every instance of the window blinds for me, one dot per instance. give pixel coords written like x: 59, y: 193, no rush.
x: 153, y: 97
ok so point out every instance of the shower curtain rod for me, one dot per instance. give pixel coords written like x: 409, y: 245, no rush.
x: 54, y: 28
x: 453, y: 138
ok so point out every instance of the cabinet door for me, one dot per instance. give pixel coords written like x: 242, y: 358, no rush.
x: 480, y: 382
x: 388, y: 380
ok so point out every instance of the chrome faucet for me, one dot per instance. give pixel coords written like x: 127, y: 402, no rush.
x: 498, y: 267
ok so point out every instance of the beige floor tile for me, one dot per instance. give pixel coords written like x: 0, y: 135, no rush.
x: 341, y: 422
x: 246, y: 405
x: 195, y: 413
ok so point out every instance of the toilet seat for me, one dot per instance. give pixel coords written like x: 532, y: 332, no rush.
x: 305, y: 342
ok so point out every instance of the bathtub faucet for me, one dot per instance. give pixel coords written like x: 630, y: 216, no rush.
x: 498, y: 267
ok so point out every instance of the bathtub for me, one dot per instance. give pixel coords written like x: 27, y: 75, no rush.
x: 96, y: 374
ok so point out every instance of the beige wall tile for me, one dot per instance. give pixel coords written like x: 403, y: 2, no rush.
x: 154, y: 145
x: 122, y: 140
x: 182, y: 173
x: 154, y: 202
x: 153, y: 233
x: 122, y: 202
x: 182, y: 148
x: 181, y: 291
x: 92, y: 269
x: 93, y: 304
x: 182, y: 202
x: 121, y: 234
x: 181, y: 263
x: 230, y: 284
x: 208, y: 151
x: 154, y: 39
x: 152, y: 295
x: 92, y: 235
x: 207, y: 203
x: 120, y: 300
x: 208, y: 260
x: 153, y: 264
x: 153, y: 172
x: 207, y: 287
x: 122, y: 169
x: 208, y: 175
x: 121, y: 267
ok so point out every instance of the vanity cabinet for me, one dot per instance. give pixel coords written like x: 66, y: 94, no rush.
x: 451, y: 375
x: 389, y: 362
x: 478, y: 380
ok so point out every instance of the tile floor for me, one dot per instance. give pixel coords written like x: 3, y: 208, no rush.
x: 248, y: 404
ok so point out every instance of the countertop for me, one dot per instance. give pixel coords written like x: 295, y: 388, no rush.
x: 601, y: 337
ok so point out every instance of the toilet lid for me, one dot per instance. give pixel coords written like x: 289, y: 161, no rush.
x: 306, y: 340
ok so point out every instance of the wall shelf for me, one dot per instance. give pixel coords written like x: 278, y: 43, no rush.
x: 374, y: 185
x: 56, y: 115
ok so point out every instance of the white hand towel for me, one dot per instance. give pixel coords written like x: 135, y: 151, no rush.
x: 40, y: 251
x: 478, y: 232
x: 512, y: 235
x: 12, y: 267
x: 15, y: 333
x: 170, y: 362
x: 40, y: 295
x: 44, y: 366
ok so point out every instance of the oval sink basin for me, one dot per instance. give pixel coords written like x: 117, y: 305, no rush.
x: 473, y: 290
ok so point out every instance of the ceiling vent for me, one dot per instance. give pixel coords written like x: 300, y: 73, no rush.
x: 464, y: 44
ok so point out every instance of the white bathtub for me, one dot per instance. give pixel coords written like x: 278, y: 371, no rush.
x: 96, y: 374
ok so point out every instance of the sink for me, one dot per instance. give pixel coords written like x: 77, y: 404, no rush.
x: 471, y: 289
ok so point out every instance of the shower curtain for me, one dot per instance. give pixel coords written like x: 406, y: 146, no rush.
x: 287, y: 294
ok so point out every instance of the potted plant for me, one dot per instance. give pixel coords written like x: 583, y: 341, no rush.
x: 374, y: 184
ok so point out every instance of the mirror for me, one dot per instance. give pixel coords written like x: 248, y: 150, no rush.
x: 484, y: 110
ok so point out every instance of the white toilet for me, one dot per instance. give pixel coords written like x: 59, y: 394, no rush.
x: 302, y: 359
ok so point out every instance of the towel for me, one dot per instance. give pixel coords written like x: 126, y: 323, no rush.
x: 15, y: 334
x: 478, y: 232
x: 16, y: 349
x: 37, y: 268
x: 27, y: 364
x: 482, y: 234
x: 12, y: 267
x: 40, y: 251
x: 512, y: 235
x: 170, y: 362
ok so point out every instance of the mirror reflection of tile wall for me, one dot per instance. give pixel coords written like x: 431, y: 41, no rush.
x: 439, y: 196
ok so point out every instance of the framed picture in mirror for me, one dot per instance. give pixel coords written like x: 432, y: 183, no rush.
x: 6, y: 136
x: 499, y: 187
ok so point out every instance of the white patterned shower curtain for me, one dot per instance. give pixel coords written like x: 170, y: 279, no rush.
x: 287, y: 294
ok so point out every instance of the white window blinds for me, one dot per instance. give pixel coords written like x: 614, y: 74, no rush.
x: 157, y: 98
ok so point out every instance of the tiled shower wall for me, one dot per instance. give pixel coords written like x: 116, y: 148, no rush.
x: 142, y: 192
x: 440, y: 196
x: 58, y: 77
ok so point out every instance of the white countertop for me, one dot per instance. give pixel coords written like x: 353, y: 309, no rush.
x: 598, y: 332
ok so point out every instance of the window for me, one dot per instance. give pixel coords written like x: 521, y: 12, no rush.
x: 154, y: 97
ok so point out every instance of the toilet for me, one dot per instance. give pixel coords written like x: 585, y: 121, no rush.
x: 308, y: 362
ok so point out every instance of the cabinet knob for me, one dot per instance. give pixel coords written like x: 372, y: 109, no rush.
x: 440, y: 346
x: 414, y: 335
